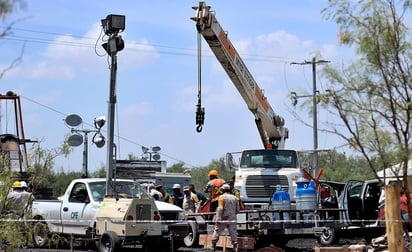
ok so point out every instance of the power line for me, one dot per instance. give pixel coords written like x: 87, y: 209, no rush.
x: 89, y: 124
x: 186, y: 51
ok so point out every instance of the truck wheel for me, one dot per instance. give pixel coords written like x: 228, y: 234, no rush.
x: 329, y: 236
x: 109, y: 242
x: 40, y: 234
x: 192, y: 237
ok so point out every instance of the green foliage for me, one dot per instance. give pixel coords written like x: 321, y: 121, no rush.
x: 372, y: 95
x: 59, y: 182
x: 176, y: 168
x: 8, y: 6
x: 100, y: 173
x: 13, y: 232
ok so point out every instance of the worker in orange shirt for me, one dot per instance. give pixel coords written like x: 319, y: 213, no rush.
x: 214, y: 187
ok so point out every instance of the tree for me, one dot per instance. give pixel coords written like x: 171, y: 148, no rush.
x: 177, y: 168
x: 6, y: 8
x: 339, y: 168
x: 372, y: 96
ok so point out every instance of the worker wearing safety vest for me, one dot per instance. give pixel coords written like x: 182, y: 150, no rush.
x: 214, y: 187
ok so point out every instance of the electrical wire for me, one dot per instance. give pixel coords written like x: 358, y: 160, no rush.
x: 132, y: 47
x: 89, y: 124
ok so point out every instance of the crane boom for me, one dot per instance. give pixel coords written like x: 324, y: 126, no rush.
x: 270, y: 125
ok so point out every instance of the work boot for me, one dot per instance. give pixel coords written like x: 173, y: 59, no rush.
x: 234, y: 247
x: 213, y: 246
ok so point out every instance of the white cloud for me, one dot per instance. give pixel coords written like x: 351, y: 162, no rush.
x: 66, y: 57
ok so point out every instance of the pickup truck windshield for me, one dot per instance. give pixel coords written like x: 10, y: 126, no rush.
x: 269, y: 158
x: 124, y: 188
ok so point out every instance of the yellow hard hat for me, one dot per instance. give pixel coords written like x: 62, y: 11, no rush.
x: 16, y: 184
x: 213, y: 173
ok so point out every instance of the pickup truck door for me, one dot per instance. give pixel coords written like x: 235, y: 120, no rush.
x: 351, y: 201
x: 361, y: 199
x: 76, y: 210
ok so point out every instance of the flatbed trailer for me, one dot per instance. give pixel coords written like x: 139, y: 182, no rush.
x: 261, y: 228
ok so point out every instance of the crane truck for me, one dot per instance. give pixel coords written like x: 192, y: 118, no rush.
x: 263, y: 172
x: 260, y: 171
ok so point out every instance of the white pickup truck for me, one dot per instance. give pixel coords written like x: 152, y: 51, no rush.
x: 84, y: 207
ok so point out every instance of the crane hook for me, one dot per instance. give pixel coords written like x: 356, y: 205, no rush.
x: 200, y: 117
x: 199, y: 128
x: 200, y: 112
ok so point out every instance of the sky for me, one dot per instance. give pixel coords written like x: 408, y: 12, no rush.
x: 65, y: 70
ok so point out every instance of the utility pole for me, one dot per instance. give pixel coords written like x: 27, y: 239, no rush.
x: 315, y: 100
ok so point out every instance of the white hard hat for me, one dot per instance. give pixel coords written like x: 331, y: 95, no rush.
x: 226, y: 187
x: 176, y: 186
x: 23, y: 183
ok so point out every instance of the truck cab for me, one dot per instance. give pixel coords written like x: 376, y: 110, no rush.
x: 261, y: 171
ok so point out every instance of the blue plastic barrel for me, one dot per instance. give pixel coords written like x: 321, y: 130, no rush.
x: 305, y: 195
x: 281, y: 201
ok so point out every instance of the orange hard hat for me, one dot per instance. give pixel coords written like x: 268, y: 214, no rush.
x: 213, y: 173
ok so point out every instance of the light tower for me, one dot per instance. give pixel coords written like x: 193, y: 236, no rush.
x: 76, y: 139
x: 112, y: 26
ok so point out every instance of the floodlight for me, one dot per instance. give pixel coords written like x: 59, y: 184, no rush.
x: 98, y: 140
x: 156, y: 157
x: 73, y: 120
x: 114, y: 24
x: 115, y: 44
x: 156, y: 148
x: 99, y: 122
x: 75, y: 140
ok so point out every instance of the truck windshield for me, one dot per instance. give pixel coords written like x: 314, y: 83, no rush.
x: 269, y: 158
x: 129, y: 188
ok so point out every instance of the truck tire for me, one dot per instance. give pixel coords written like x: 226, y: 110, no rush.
x: 329, y: 236
x: 109, y: 242
x: 192, y: 236
x: 40, y: 234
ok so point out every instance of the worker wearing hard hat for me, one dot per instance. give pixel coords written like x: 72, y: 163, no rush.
x: 18, y: 200
x: 154, y: 193
x: 228, y: 208
x: 25, y: 186
x: 177, y: 197
x: 214, y: 188
x: 190, y: 201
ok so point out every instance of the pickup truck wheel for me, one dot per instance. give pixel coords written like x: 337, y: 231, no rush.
x: 109, y: 242
x: 40, y: 234
x: 191, y: 238
x: 329, y: 236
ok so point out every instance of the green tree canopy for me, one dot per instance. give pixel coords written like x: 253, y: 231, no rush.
x: 372, y: 95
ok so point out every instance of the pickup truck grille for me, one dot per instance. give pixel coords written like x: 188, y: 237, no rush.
x: 263, y: 186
